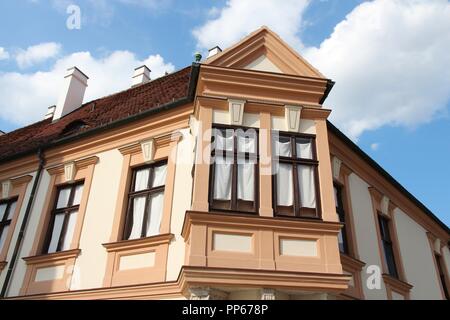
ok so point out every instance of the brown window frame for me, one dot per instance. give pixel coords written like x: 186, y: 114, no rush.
x: 340, y: 210
x: 5, y: 222
x: 384, y: 224
x: 146, y: 192
x: 66, y: 211
x: 235, y: 205
x: 297, y: 211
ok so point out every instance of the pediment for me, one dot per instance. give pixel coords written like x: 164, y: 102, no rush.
x: 264, y: 50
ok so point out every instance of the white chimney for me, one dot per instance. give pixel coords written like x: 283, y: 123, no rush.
x: 50, y: 112
x: 71, y: 98
x: 141, y: 75
x: 214, y: 51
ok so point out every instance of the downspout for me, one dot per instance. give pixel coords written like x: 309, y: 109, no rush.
x: 24, y: 224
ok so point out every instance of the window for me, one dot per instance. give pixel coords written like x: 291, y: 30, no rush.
x: 387, y: 246
x: 442, y: 275
x: 145, y: 201
x: 63, y: 218
x: 342, y: 237
x: 7, y: 209
x: 234, y: 170
x: 295, y: 176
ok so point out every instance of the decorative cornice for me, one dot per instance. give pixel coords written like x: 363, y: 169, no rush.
x: 21, y: 180
x: 162, y: 140
x: 139, y: 243
x: 52, y: 257
x: 79, y: 164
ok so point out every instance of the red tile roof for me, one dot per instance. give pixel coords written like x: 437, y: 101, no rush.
x: 97, y: 113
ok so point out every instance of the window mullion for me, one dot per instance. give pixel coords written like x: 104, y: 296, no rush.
x: 145, y: 218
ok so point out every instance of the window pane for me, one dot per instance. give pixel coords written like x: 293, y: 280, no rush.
x: 138, y: 217
x: 223, y: 139
x: 159, y: 176
x: 4, y: 233
x: 303, y: 148
x: 390, y: 260
x: 2, y: 210
x: 285, y: 185
x: 155, y: 203
x: 307, y: 186
x: 77, y: 195
x: 246, y: 141
x: 222, y: 178
x: 69, y: 231
x: 246, y: 179
x: 12, y: 209
x: 141, y: 182
x: 63, y: 197
x: 56, y: 233
x: 282, y: 147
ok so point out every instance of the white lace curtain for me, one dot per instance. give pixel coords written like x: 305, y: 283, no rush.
x: 284, y: 171
x: 246, y: 143
x: 155, y: 202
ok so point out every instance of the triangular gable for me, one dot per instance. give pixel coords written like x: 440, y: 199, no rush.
x: 264, y: 50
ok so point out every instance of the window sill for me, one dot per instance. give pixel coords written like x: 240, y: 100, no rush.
x: 138, y: 243
x: 52, y: 257
x: 353, y: 267
x: 396, y: 286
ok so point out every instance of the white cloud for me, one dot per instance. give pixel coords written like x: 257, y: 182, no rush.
x: 390, y: 61
x: 389, y: 58
x: 374, y: 146
x: 238, y: 18
x: 26, y: 96
x: 37, y: 54
x: 4, y: 55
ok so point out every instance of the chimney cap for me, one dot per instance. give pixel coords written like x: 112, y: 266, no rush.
x: 74, y: 68
x: 213, y: 51
x: 143, y: 66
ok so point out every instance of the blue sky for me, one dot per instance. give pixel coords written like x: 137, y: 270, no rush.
x: 388, y: 57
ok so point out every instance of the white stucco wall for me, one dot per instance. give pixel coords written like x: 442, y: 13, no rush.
x: 365, y: 231
x: 417, y: 258
x: 182, y: 194
x: 90, y: 265
x: 446, y: 255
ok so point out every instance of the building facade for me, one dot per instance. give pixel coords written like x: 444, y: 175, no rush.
x: 223, y: 180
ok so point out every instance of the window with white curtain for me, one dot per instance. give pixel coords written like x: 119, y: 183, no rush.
x: 7, y: 209
x: 64, y: 217
x: 295, y: 175
x: 145, y: 201
x: 234, y: 169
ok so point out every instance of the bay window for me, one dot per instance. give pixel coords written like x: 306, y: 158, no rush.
x: 295, y: 182
x: 7, y: 209
x: 145, y: 201
x: 63, y: 218
x: 234, y: 169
